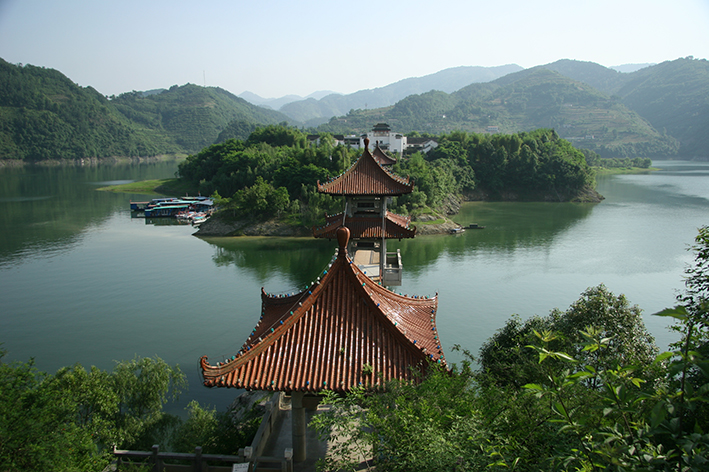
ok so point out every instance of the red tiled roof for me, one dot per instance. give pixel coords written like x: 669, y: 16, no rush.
x: 383, y: 158
x: 331, y: 334
x: 367, y: 227
x: 366, y: 177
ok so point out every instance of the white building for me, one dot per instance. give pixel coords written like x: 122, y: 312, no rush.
x: 389, y: 141
x: 383, y: 136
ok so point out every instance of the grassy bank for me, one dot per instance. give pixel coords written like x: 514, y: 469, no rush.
x: 153, y: 187
x: 623, y: 170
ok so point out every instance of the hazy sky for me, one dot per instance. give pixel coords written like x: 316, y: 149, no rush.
x: 279, y: 47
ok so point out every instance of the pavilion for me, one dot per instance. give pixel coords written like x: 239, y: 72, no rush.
x: 346, y: 329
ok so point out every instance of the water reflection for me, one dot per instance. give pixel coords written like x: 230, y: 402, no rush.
x: 508, y: 227
x: 298, y: 260
x: 46, y: 209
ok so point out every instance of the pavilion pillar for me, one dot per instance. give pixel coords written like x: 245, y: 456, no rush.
x: 299, y: 424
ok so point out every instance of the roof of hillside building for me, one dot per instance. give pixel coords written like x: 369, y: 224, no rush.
x: 367, y: 177
x: 383, y: 158
x: 417, y: 141
x: 343, y: 331
x: 367, y: 226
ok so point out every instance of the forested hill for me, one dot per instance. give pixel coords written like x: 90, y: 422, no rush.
x: 674, y: 98
x: 191, y: 115
x: 44, y: 115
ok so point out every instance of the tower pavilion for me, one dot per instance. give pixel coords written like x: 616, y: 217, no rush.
x: 368, y: 187
x: 343, y: 331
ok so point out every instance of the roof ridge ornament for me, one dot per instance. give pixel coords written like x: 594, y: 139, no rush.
x: 343, y: 237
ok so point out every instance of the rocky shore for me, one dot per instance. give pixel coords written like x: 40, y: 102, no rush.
x: 431, y: 223
x: 216, y: 227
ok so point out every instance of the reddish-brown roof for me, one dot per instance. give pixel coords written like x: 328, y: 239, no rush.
x: 367, y: 177
x: 332, y: 334
x: 383, y: 158
x: 367, y: 226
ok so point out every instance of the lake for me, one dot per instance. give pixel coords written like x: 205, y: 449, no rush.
x: 81, y: 280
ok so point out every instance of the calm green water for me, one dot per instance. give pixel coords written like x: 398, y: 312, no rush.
x: 82, y: 281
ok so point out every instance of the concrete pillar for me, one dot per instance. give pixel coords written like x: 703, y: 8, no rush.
x: 299, y: 424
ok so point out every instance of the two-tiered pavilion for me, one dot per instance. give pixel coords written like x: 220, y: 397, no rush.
x: 346, y: 329
x: 368, y: 187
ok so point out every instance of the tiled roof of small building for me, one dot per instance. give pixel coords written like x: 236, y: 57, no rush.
x: 383, y: 158
x: 367, y: 226
x: 367, y: 177
x: 343, y: 331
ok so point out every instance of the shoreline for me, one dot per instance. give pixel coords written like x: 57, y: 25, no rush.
x: 91, y: 161
x: 221, y: 227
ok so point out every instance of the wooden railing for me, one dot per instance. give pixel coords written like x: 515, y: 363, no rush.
x: 249, y: 458
x: 155, y: 460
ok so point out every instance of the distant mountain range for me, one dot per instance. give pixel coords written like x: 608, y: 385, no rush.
x: 655, y: 110
x: 658, y: 110
x: 277, y: 103
x: 319, y: 107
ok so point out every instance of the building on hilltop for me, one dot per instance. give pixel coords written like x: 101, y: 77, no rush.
x: 383, y: 137
x: 423, y: 145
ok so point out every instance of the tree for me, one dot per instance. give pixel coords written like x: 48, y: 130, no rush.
x: 217, y: 432
x: 37, y: 424
x: 505, y: 360
x: 261, y: 200
x: 69, y: 421
x: 629, y: 342
x: 695, y: 298
x: 143, y: 385
x: 277, y: 135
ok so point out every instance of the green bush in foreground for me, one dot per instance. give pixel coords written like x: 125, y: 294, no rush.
x: 552, y: 394
x: 72, y: 419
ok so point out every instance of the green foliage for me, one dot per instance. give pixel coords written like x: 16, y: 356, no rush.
x: 581, y: 390
x: 429, y: 425
x: 593, y: 159
x: 71, y: 420
x: 68, y: 421
x: 260, y: 200
x: 236, y: 129
x: 274, y: 172
x: 193, y: 116
x: 43, y: 115
x: 277, y: 136
x: 505, y: 360
x: 217, y: 432
x: 535, y: 165
x: 143, y: 386
x: 37, y: 431
x: 250, y: 175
